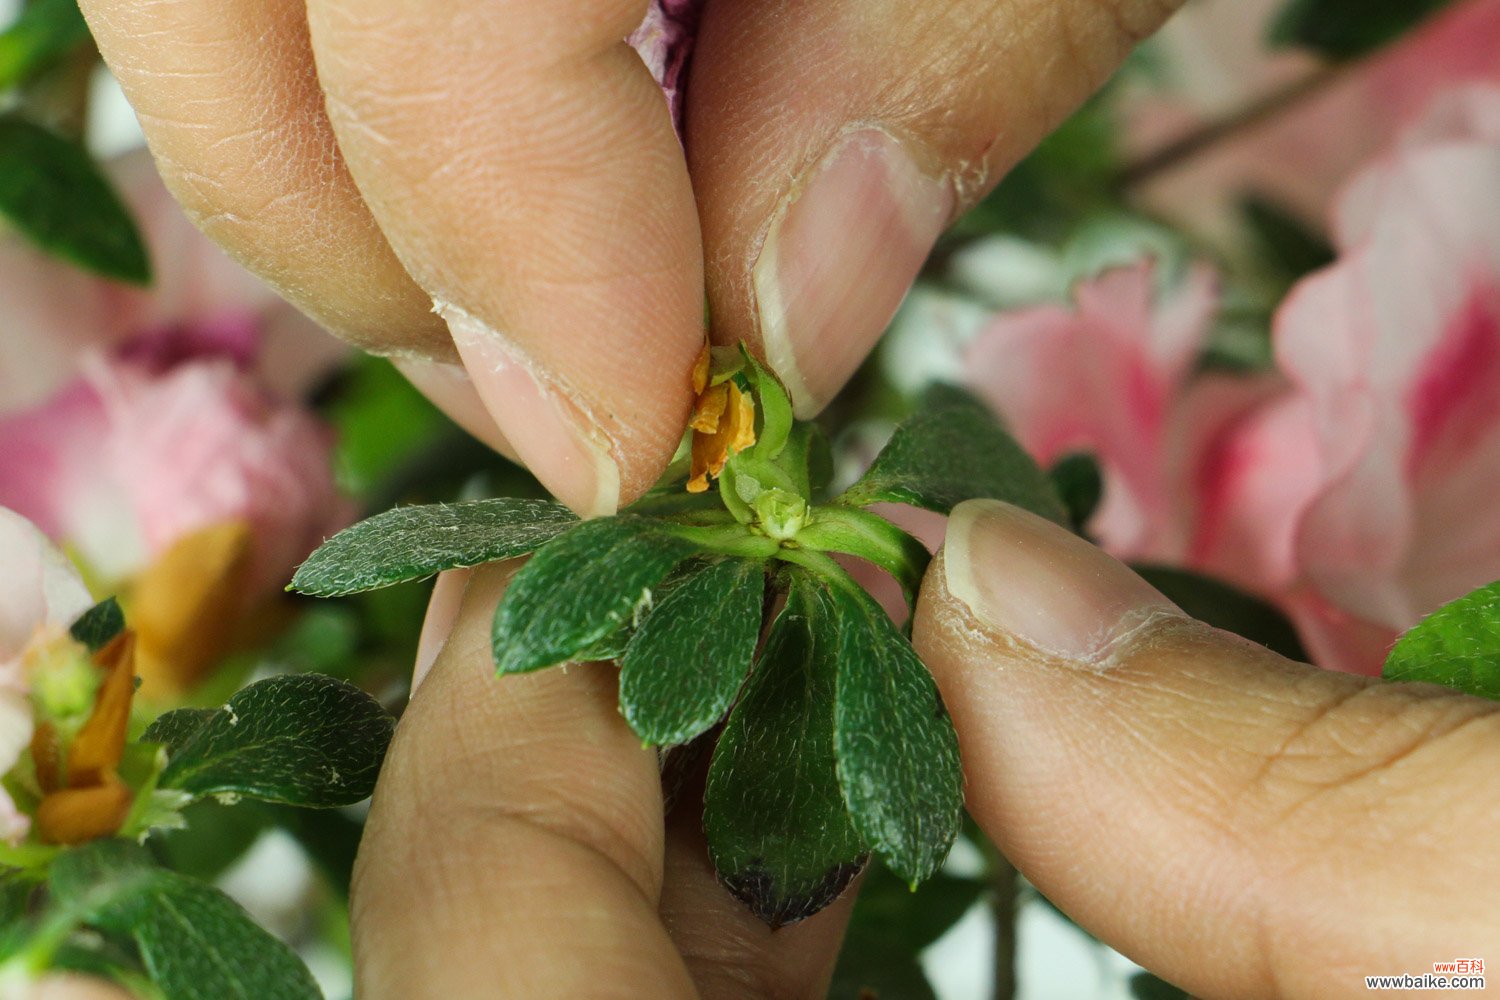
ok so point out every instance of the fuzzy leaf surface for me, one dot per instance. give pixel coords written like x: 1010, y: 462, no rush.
x: 777, y: 828
x: 1457, y: 646
x: 951, y: 450
x: 684, y: 666
x: 298, y: 739
x: 410, y: 543
x: 897, y: 751
x: 195, y: 942
x: 581, y: 588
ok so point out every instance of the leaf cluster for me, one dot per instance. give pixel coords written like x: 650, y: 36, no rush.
x: 731, y: 621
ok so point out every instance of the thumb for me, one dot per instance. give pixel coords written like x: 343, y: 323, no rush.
x: 1240, y: 824
x: 830, y: 144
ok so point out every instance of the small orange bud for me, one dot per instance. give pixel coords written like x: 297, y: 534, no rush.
x: 78, y: 815
x: 186, y: 607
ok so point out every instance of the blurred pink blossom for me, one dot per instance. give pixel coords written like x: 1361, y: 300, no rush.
x: 39, y: 590
x: 1112, y: 375
x: 128, y: 459
x: 129, y: 418
x: 1358, y: 492
x: 1300, y: 157
x: 1395, y: 356
x: 665, y: 42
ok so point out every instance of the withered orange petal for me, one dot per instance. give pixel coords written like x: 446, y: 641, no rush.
x: 185, y: 606
x: 708, y: 412
x: 97, y: 748
x: 78, y: 815
x: 741, y: 422
x: 702, y: 369
x: 46, y: 755
x: 698, y: 484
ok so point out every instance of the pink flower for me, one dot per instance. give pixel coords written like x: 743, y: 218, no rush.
x: 127, y: 460
x: 1395, y: 356
x: 144, y: 431
x: 39, y: 590
x: 665, y: 42
x: 1113, y: 376
x: 1300, y: 157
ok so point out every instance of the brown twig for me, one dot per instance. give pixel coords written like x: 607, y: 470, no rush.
x: 1237, y: 122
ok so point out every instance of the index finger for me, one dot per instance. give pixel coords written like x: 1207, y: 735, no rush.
x: 523, y: 163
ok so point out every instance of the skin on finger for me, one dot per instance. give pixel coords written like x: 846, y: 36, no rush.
x: 226, y: 93
x: 514, y: 846
x: 451, y: 390
x: 730, y: 953
x: 831, y: 143
x: 1240, y: 824
x: 68, y: 986
x: 524, y: 165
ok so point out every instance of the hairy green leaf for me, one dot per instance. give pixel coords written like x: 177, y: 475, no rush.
x: 581, y: 588
x: 1457, y: 646
x: 300, y: 739
x: 777, y: 828
x: 684, y: 666
x: 195, y: 942
x: 99, y: 624
x: 1348, y: 29
x: 897, y: 751
x: 45, y: 31
x: 409, y: 543
x: 951, y: 450
x: 55, y: 196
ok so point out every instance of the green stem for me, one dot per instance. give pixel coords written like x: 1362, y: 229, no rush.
x: 870, y: 537
x: 730, y: 539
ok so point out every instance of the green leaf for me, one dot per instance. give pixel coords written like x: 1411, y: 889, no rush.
x: 54, y: 195
x: 684, y: 666
x: 175, y: 728
x: 300, y: 739
x: 1348, y: 29
x: 1079, y: 483
x: 951, y: 450
x: 897, y: 751
x: 776, y: 824
x: 1286, y: 242
x: 45, y: 31
x: 890, y: 927
x: 99, y: 624
x: 581, y: 588
x: 15, y: 895
x: 1457, y: 646
x: 1145, y: 986
x: 1226, y: 607
x: 410, y: 543
x: 195, y: 942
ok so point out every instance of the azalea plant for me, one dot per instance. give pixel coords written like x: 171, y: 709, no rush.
x: 1237, y: 322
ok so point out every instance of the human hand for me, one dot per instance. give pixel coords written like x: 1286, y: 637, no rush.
x: 513, y: 161
x: 1242, y: 825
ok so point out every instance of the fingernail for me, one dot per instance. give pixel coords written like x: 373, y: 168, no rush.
x: 1026, y: 578
x: 451, y: 390
x: 840, y: 254
x: 442, y: 614
x: 551, y: 434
